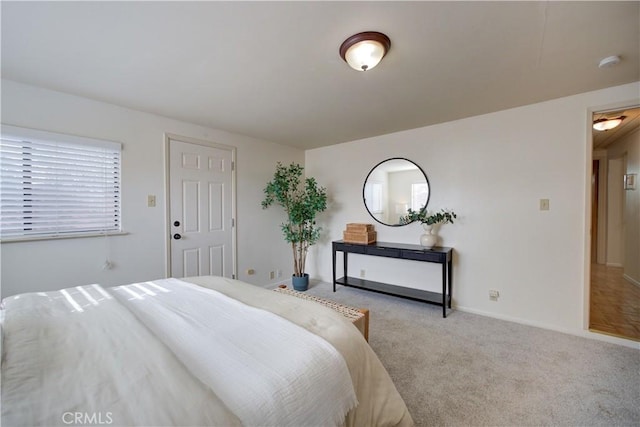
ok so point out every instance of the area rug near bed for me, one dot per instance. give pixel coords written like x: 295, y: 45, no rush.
x: 471, y: 370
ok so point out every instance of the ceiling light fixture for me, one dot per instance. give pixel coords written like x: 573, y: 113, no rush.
x: 605, y: 124
x: 363, y: 51
x: 609, y: 61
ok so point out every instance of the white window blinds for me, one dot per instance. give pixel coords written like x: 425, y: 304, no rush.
x: 54, y: 185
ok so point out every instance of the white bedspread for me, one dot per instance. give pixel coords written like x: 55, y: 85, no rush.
x: 80, y: 355
x: 95, y: 356
x: 267, y: 370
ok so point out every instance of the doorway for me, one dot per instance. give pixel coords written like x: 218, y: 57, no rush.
x: 201, y: 201
x: 614, y: 296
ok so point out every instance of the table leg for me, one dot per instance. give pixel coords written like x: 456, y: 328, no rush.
x: 444, y: 290
x: 334, y: 269
x: 344, y: 258
x: 450, y: 275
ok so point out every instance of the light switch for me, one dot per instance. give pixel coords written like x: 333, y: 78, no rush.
x: 544, y: 204
x: 151, y: 201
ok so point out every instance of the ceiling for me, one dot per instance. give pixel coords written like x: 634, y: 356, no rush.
x: 271, y: 70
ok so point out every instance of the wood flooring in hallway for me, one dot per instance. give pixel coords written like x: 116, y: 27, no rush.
x: 615, y: 303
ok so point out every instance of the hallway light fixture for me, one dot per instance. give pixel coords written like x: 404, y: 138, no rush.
x: 605, y: 124
x: 363, y: 51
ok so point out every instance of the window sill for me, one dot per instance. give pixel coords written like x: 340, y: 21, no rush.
x: 59, y: 237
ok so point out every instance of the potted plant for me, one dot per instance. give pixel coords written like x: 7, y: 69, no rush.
x: 429, y: 221
x: 301, y: 199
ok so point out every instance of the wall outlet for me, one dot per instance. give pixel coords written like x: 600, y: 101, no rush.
x: 278, y: 274
x: 363, y: 273
x: 544, y: 204
x: 494, y: 295
x: 272, y: 275
x: 151, y: 201
x: 251, y: 272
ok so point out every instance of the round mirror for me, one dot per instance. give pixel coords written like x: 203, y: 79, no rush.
x: 392, y: 188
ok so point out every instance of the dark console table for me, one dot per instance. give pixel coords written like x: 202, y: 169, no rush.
x: 440, y: 255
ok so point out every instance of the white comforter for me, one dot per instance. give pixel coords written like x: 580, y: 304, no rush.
x: 267, y: 370
x: 153, y: 355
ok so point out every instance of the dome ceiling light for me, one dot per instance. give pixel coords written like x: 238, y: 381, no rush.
x: 605, y: 124
x: 363, y: 51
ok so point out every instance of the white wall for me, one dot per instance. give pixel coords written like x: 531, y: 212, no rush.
x: 140, y: 255
x: 628, y: 149
x: 491, y: 170
x: 615, y: 212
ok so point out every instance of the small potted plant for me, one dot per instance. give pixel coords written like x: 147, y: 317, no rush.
x: 429, y: 221
x: 301, y: 200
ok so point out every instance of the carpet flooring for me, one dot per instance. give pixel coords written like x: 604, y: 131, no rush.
x: 471, y: 370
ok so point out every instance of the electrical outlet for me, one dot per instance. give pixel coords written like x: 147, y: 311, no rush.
x: 544, y: 204
x: 278, y: 274
x: 251, y: 272
x: 272, y: 275
x: 151, y: 201
x: 363, y: 273
x: 493, y: 295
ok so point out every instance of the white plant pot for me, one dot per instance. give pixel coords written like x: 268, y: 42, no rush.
x: 429, y: 239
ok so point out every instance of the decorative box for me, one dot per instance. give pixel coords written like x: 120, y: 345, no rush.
x: 356, y: 227
x: 359, y: 233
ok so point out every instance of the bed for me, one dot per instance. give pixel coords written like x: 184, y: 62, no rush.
x: 197, y: 351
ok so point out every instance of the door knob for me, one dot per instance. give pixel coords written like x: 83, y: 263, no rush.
x: 177, y: 236
x: 176, y: 223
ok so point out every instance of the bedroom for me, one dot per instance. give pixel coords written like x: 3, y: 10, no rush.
x: 492, y: 167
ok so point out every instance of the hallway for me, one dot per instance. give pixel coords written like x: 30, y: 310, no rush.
x: 615, y: 303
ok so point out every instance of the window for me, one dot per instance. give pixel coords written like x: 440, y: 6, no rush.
x: 54, y: 185
x: 373, y: 196
x: 419, y: 195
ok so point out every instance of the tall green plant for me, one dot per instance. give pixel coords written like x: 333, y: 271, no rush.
x: 301, y: 200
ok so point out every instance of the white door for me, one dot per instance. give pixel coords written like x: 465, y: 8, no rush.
x: 201, y: 209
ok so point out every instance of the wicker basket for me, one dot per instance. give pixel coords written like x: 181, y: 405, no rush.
x: 359, y: 227
x: 364, y: 238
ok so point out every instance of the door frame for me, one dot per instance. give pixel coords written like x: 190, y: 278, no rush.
x: 603, y: 179
x: 167, y: 187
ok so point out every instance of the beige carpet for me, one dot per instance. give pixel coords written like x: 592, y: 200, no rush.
x: 470, y: 370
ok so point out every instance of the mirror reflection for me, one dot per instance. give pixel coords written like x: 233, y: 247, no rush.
x: 392, y: 187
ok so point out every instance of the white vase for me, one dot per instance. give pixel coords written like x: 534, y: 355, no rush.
x: 429, y: 239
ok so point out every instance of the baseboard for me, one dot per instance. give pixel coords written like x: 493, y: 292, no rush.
x: 577, y: 332
x: 613, y: 264
x: 275, y: 284
x: 614, y: 335
x: 631, y: 280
